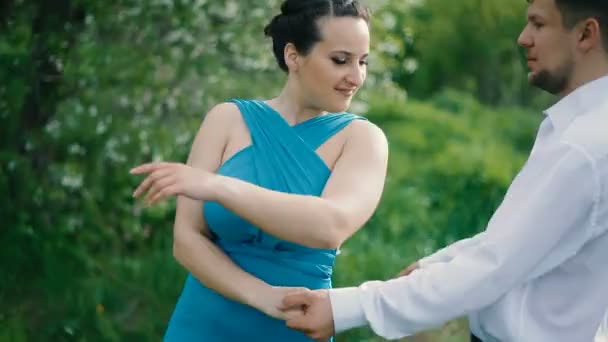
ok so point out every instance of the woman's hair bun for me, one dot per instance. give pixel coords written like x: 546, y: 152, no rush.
x: 296, y: 23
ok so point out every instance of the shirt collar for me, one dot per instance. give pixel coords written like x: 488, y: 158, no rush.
x: 577, y: 102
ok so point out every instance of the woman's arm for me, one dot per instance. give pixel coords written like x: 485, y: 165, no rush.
x: 192, y: 246
x: 348, y: 200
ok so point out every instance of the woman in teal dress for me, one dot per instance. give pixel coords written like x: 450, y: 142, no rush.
x: 282, y: 183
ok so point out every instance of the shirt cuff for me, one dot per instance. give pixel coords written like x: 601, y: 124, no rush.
x: 346, y: 308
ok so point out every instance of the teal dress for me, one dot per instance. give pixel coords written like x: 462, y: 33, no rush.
x: 282, y: 158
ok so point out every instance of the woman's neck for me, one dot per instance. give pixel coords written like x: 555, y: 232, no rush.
x: 292, y: 107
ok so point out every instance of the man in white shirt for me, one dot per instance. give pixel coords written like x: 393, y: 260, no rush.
x: 539, y: 271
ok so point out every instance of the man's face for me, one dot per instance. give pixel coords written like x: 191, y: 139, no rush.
x: 550, y: 47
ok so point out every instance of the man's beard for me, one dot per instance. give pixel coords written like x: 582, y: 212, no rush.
x: 553, y: 82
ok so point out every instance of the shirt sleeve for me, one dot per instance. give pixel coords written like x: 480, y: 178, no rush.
x: 449, y: 252
x: 535, y: 235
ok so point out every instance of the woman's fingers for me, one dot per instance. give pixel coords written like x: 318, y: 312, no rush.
x: 292, y: 314
x: 149, y: 167
x: 411, y: 268
x: 163, y: 180
x: 161, y: 187
x: 151, y: 180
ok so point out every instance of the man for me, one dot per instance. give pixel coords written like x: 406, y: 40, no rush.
x: 538, y: 272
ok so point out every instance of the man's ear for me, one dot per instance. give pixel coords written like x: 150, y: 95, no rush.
x: 590, y: 34
x: 291, y: 56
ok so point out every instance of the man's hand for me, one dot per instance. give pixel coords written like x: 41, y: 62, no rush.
x: 411, y: 268
x: 317, y: 321
x: 269, y: 300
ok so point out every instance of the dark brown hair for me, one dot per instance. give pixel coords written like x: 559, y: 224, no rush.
x: 575, y: 11
x: 297, y: 23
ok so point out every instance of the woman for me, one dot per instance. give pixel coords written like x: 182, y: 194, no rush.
x: 284, y: 182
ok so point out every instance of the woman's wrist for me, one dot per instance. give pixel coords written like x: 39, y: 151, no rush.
x: 256, y: 294
x: 216, y: 186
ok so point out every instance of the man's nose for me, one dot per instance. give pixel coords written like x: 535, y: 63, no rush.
x: 525, y: 38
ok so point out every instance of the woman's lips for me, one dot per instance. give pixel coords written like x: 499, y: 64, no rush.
x: 346, y: 92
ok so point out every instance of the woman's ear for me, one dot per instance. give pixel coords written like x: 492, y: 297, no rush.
x: 291, y: 57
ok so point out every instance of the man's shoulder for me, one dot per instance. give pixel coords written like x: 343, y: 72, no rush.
x: 589, y: 132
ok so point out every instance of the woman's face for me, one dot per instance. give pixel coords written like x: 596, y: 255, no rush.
x: 335, y: 68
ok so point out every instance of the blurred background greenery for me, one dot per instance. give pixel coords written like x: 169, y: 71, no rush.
x: 89, y: 89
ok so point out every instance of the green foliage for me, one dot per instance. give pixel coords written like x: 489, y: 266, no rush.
x: 470, y: 45
x: 91, y: 90
x: 88, y: 89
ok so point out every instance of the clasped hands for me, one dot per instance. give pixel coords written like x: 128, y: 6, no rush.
x: 310, y: 311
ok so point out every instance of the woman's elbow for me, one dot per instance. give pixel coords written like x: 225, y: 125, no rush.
x: 181, y: 242
x: 177, y: 250
x: 336, y: 231
x: 185, y: 240
x: 328, y: 241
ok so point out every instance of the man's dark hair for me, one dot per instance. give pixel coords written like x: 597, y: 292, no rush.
x: 297, y: 23
x: 574, y: 11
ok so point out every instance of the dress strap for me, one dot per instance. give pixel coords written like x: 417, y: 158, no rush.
x: 318, y: 130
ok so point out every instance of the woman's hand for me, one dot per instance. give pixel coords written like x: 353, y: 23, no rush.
x: 411, y: 268
x: 169, y: 179
x: 269, y: 300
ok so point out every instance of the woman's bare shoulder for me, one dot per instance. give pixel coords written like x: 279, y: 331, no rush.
x: 365, y: 131
x: 222, y: 114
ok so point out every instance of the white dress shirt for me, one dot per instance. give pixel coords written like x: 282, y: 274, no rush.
x: 539, y: 272
x: 602, y: 332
